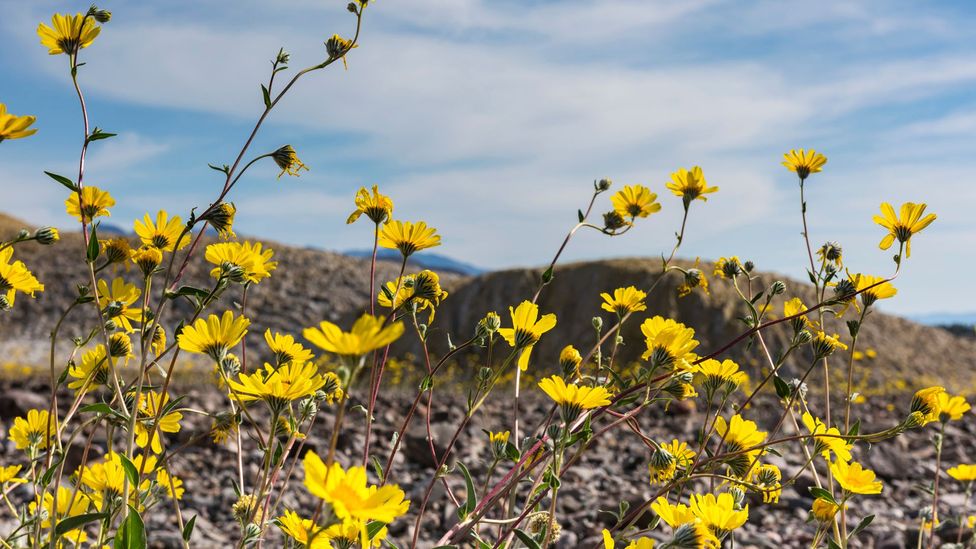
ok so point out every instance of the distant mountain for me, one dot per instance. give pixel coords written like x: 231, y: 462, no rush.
x: 945, y: 319
x: 424, y: 260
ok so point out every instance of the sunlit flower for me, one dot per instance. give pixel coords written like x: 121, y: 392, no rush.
x: 422, y: 289
x: 635, y: 201
x: 253, y: 260
x: 690, y: 185
x: 221, y: 218
x: 527, y: 328
x: 278, y: 386
x: 172, y: 484
x: 162, y: 233
x: 712, y: 375
x: 825, y: 344
x: 804, y: 162
x: 106, y: 479
x: 854, y: 478
x: 570, y: 360
x: 741, y: 438
x: 693, y: 278
x: 694, y: 535
x: 213, y: 336
x: 116, y: 302
x: 952, y: 407
x: 337, y: 47
x: 93, y: 370
x: 624, y: 300
x: 963, y: 472
x: 378, y: 207
x: 15, y: 277
x: 408, y: 237
x: 151, y: 404
x: 768, y: 479
x: 13, y: 126
x: 8, y: 475
x: 927, y: 405
x: 794, y: 307
x: 285, y: 348
x: 668, y: 342
x: 117, y: 250
x: 668, y: 458
x: 831, y: 252
x: 349, y: 493
x: 33, y: 430
x: 823, y: 510
x: 871, y: 288
x: 287, y: 159
x: 673, y: 515
x: 70, y: 504
x: 573, y: 398
x: 827, y: 440
x: 94, y: 203
x: 903, y: 226
x: 302, y: 530
x: 350, y: 532
x: 68, y: 33
x: 718, y: 513
x: 728, y: 267
x: 368, y: 333
x: 147, y: 259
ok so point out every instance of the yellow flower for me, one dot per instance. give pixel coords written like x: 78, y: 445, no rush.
x: 117, y: 302
x: 377, y: 207
x: 854, y: 478
x: 68, y: 33
x: 872, y: 288
x: 825, y: 344
x: 635, y: 201
x: 499, y: 438
x: 106, y: 478
x: 254, y: 261
x: 302, y: 530
x: 162, y: 233
x: 624, y: 300
x: 147, y: 259
x: 286, y: 349
x: 93, y: 370
x: 13, y: 126
x: 690, y: 185
x: 804, y: 162
x: 927, y: 404
x: 639, y: 543
x: 963, y: 472
x: 823, y: 510
x: 827, y: 440
x: 69, y: 505
x: 693, y: 278
x: 526, y: 330
x: 152, y: 403
x: 794, y: 307
x: 831, y: 252
x: 712, y: 375
x: 728, y: 267
x: 668, y: 342
x: 172, y: 485
x: 423, y: 289
x: 278, y: 386
x: 908, y: 222
x: 408, y: 237
x: 673, y: 515
x: 694, y: 535
x: 94, y: 203
x: 33, y: 430
x: 14, y: 277
x: 573, y: 398
x: 337, y: 47
x: 668, y: 458
x: 8, y: 475
x: 367, y: 334
x: 213, y: 336
x: 570, y: 360
x: 221, y: 218
x: 952, y: 407
x: 350, y: 494
x: 768, y: 479
x: 287, y: 159
x: 718, y: 513
x: 350, y: 532
x: 117, y: 250
x: 741, y: 438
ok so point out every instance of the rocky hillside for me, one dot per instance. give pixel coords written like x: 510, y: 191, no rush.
x: 312, y: 285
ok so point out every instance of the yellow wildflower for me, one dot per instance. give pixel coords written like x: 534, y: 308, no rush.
x: 527, y: 328
x: 903, y: 226
x: 13, y: 126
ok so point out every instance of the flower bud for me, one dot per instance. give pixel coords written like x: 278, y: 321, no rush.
x: 598, y: 324
x: 777, y: 287
x: 47, y: 236
x: 603, y: 184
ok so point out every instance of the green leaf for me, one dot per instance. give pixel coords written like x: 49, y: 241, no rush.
x: 98, y: 134
x: 471, y: 498
x: 130, y: 470
x: 528, y: 540
x: 547, y: 276
x: 373, y: 527
x: 832, y: 544
x: 222, y: 169
x: 188, y: 528
x: 822, y: 494
x: 782, y: 388
x: 855, y: 429
x: 92, y: 253
x: 377, y: 467
x: 579, y: 214
x: 132, y: 532
x: 76, y: 521
x: 63, y: 180
x: 861, y: 526
x: 266, y: 95
x: 188, y: 291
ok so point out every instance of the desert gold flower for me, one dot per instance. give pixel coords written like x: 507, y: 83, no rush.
x: 804, y: 162
x: 163, y: 233
x: 794, y: 307
x: 221, y: 218
x: 823, y: 510
x: 872, y: 288
x: 963, y: 472
x: 286, y: 349
x: 349, y: 493
x: 690, y: 185
x: 106, y: 479
x: 172, y: 484
x: 741, y: 438
x: 423, y: 289
x: 831, y: 252
x: 499, y: 437
x: 903, y: 226
x: 69, y: 505
x: 151, y: 404
x: 117, y: 300
x: 718, y: 513
x: 68, y: 33
x: 278, y: 386
x: 768, y: 478
x: 350, y: 532
x: 15, y: 277
x: 825, y: 344
x: 13, y: 126
x: 695, y: 535
x: 573, y: 398
x: 303, y: 531
x: 8, y: 475
x: 827, y: 440
x: 624, y: 300
x: 93, y: 370
x: 668, y: 342
x: 117, y: 250
x: 693, y: 278
x: 673, y: 515
x: 147, y: 259
x: 635, y: 201
x: 854, y: 478
x: 253, y: 260
x: 712, y: 375
x: 668, y: 458
x: 527, y: 328
x: 214, y: 335
x: 378, y: 207
x: 570, y: 360
x: 46, y: 236
x: 926, y: 404
x: 94, y: 203
x: 728, y: 267
x: 287, y: 159
x: 368, y: 333
x: 408, y: 237
x: 952, y: 407
x: 33, y: 430
x: 638, y: 543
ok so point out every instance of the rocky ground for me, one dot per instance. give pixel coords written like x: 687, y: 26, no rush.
x: 615, y: 470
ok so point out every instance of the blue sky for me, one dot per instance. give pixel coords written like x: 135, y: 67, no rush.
x: 490, y: 118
